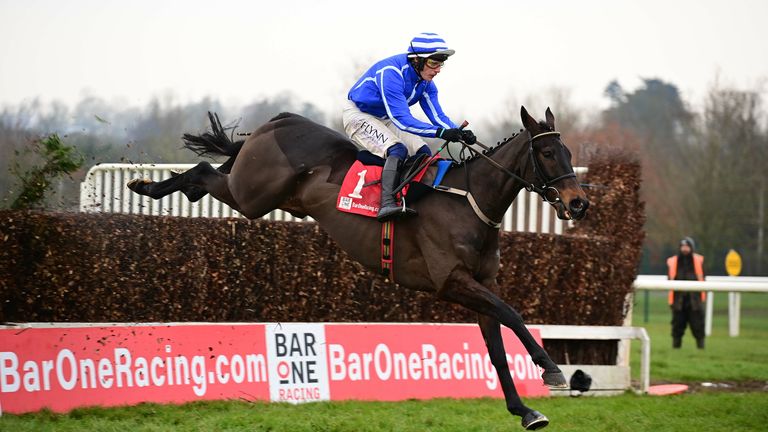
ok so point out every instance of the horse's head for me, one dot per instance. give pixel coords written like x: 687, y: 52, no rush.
x: 551, y: 170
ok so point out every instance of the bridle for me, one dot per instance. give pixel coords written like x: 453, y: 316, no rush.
x: 546, y: 190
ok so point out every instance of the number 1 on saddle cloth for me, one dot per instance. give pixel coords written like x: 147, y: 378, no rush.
x: 361, y: 190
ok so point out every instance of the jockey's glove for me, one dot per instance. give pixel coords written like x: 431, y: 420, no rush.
x: 452, y: 135
x: 468, y: 137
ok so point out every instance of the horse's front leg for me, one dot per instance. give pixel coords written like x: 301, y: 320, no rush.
x: 461, y: 288
x: 491, y: 329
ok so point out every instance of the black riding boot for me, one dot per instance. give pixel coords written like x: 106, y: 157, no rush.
x: 390, y: 179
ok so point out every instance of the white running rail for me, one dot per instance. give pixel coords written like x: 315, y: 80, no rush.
x: 734, y: 286
x: 104, y: 190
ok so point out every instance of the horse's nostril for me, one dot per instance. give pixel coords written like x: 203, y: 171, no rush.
x: 576, y: 205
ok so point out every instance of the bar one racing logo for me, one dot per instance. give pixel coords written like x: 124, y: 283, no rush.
x: 430, y: 363
x: 297, y: 362
x: 125, y: 369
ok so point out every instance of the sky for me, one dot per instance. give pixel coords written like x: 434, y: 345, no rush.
x: 128, y: 52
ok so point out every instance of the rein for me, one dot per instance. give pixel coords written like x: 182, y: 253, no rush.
x: 547, y: 192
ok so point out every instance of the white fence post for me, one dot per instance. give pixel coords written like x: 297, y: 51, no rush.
x: 734, y: 313
x: 709, y: 311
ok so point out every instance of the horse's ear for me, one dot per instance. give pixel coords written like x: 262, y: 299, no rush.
x: 550, y: 119
x: 528, y: 122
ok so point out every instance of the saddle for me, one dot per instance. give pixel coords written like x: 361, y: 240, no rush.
x: 361, y: 190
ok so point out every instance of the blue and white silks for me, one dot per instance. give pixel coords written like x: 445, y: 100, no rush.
x: 390, y: 87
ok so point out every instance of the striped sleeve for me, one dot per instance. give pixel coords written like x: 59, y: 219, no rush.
x: 391, y: 83
x: 432, y: 109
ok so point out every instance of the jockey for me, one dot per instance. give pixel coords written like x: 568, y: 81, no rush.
x: 377, y: 114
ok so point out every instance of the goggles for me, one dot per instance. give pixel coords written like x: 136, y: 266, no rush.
x: 433, y: 64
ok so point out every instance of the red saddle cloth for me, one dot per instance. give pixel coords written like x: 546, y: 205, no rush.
x: 361, y: 190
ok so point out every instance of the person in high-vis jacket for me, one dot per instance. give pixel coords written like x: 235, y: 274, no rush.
x: 377, y: 115
x: 687, y: 306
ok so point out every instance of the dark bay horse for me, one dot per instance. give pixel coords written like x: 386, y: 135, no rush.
x: 296, y: 165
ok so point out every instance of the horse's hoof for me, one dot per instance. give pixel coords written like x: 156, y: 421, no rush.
x: 554, y: 379
x: 135, y: 184
x: 534, y: 420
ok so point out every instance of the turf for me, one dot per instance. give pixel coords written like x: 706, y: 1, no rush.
x: 691, y: 412
x: 725, y: 358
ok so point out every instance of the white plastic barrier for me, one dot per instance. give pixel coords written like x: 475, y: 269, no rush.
x: 127, y: 363
x: 104, y: 190
x: 606, y: 333
x: 62, y: 366
x: 732, y: 285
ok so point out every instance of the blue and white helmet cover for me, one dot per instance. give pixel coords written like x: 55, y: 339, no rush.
x: 428, y: 44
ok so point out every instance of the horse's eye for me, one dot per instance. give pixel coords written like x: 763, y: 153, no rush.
x: 548, y: 154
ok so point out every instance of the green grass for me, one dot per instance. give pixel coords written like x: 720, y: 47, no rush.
x: 725, y: 358
x: 693, y: 412
x: 744, y: 358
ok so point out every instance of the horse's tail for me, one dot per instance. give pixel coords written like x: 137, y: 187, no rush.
x: 215, y: 142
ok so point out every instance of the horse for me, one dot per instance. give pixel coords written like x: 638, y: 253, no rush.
x: 450, y: 249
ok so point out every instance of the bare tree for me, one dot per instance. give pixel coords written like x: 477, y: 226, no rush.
x: 725, y: 205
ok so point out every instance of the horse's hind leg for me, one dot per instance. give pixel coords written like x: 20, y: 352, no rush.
x: 196, y: 193
x: 491, y: 329
x: 192, y: 192
x: 201, y: 178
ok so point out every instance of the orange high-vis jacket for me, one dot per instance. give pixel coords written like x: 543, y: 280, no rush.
x: 698, y: 268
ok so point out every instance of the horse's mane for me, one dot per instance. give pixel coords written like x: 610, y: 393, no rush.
x: 499, y: 144
x: 490, y: 152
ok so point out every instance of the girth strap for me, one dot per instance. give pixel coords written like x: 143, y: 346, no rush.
x: 472, y: 203
x: 388, y: 250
